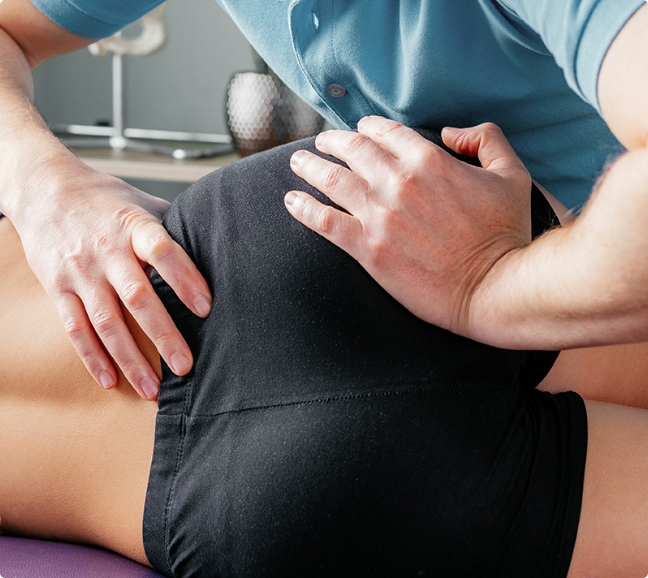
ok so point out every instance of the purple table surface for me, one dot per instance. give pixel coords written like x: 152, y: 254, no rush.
x: 26, y: 558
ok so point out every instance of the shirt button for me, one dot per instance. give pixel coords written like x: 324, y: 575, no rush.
x: 315, y: 20
x: 336, y: 90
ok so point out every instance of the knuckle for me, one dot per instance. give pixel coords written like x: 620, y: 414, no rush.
x: 79, y: 260
x: 129, y: 366
x: 403, y: 184
x: 430, y: 155
x: 326, y: 220
x: 387, y: 126
x: 355, y: 143
x: 376, y: 241
x: 387, y: 224
x: 163, y: 338
x: 74, y: 327
x: 76, y: 261
x: 57, y: 285
x: 390, y: 221
x: 129, y: 216
x: 134, y: 295
x: 404, y: 188
x: 491, y: 127
x: 105, y: 322
x: 159, y: 247
x: 333, y: 177
x: 375, y: 251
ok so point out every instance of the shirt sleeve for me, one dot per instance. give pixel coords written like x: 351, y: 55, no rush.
x: 578, y: 33
x: 94, y: 18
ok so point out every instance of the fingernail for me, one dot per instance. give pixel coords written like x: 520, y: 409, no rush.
x: 298, y: 157
x: 149, y: 387
x: 366, y: 119
x: 106, y: 380
x: 202, y: 306
x: 180, y: 364
x: 321, y: 137
x: 290, y: 198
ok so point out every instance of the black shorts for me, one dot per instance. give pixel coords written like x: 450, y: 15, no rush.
x: 326, y: 431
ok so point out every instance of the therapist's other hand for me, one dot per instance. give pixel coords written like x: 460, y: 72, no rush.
x: 90, y: 238
x: 426, y: 226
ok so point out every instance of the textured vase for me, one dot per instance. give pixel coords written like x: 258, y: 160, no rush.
x: 262, y: 112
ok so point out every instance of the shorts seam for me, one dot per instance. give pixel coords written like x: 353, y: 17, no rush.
x: 334, y: 398
x: 176, y: 472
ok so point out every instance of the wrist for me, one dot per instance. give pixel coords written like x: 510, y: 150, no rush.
x: 492, y: 313
x: 33, y: 173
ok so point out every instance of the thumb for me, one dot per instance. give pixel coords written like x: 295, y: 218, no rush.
x: 488, y: 143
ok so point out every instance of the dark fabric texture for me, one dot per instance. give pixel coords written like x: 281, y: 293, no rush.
x: 326, y: 432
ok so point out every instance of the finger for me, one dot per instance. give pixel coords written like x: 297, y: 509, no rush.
x: 488, y: 143
x: 393, y: 137
x: 364, y: 156
x: 340, y: 228
x: 136, y: 293
x: 154, y: 246
x: 85, y: 340
x: 340, y: 184
x: 107, y: 319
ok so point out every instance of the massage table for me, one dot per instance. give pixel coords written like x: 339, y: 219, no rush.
x: 26, y: 558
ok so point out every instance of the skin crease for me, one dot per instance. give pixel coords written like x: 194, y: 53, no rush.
x: 456, y: 264
x: 87, y: 236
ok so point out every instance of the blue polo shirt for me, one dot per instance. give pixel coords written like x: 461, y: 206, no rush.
x: 531, y: 66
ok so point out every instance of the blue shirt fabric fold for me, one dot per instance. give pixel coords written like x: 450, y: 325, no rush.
x: 530, y: 66
x: 92, y: 18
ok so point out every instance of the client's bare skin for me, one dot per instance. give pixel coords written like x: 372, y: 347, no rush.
x: 74, y: 458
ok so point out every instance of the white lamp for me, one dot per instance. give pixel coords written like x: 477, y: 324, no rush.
x: 119, y: 137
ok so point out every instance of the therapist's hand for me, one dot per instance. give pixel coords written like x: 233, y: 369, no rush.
x: 426, y: 226
x: 89, y: 238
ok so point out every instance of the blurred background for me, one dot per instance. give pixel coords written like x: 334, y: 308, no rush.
x: 182, y: 87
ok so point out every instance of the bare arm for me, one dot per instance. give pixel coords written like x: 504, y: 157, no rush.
x: 457, y: 264
x: 590, y: 279
x: 87, y: 236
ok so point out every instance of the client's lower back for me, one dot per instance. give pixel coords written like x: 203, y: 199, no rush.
x: 75, y: 458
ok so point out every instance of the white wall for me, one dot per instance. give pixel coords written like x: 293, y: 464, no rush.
x: 181, y: 87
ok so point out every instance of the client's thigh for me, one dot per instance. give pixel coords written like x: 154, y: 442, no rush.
x: 612, y: 373
x: 613, y: 532
x: 325, y: 431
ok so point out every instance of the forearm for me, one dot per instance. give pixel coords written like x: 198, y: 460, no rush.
x: 26, y: 142
x: 580, y: 285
